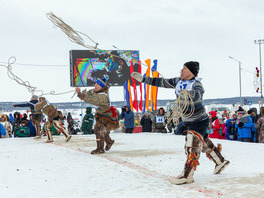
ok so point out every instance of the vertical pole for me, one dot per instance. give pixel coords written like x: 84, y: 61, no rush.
x: 124, y: 95
x: 260, y: 73
x: 240, y: 83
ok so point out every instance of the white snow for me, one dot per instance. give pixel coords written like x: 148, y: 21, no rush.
x: 138, y: 165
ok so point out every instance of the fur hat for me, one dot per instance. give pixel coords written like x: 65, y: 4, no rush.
x: 193, y: 66
x: 3, y: 116
x: 34, y: 97
x: 102, y: 82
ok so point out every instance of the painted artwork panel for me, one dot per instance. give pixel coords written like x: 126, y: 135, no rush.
x: 114, y: 65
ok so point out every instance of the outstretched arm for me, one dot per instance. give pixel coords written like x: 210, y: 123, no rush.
x: 158, y: 82
x: 22, y: 105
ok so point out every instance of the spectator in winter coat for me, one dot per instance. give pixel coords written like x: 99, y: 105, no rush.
x: 260, y: 127
x: 87, y: 122
x: 31, y: 127
x: 222, y: 131
x: 244, y: 124
x: 11, y: 118
x: 17, y: 119
x: 159, y: 122
x: 37, y: 117
x: 231, y: 130
x: 7, y: 125
x: 146, y: 123
x: 253, y: 114
x: 69, y: 117
x: 2, y: 131
x: 128, y: 115
x: 214, y: 125
x: 23, y: 130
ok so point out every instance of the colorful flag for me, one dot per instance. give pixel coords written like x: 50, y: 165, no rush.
x: 147, y: 92
x: 154, y: 89
x: 135, y: 102
x: 140, y: 86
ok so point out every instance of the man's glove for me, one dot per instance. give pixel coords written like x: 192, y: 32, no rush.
x: 14, y: 105
x: 137, y: 76
x: 240, y: 125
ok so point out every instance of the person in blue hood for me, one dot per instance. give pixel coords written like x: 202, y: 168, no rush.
x: 128, y: 115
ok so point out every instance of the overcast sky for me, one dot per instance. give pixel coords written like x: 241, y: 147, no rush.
x: 172, y: 31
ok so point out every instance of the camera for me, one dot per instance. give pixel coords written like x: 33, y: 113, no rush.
x: 123, y: 108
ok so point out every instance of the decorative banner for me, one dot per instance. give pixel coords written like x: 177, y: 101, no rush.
x: 154, y: 89
x: 135, y: 102
x: 144, y: 106
x: 88, y: 65
x: 140, y: 86
x: 147, y: 92
x: 127, y: 95
x: 130, y: 96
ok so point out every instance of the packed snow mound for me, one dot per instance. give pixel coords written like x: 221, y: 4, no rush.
x: 138, y: 165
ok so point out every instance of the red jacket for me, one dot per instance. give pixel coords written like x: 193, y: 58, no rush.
x: 214, y: 126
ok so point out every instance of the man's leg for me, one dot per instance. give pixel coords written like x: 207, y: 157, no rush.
x: 60, y: 128
x: 48, y: 126
x: 193, y: 148
x: 108, y: 140
x: 100, y: 131
x: 36, y: 122
x: 214, y: 153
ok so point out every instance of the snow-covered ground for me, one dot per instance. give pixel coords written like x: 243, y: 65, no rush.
x: 138, y: 165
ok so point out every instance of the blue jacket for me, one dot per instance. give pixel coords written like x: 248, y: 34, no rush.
x: 30, y: 104
x: 229, y: 127
x: 129, y: 118
x: 11, y: 118
x: 2, y: 130
x: 245, y: 131
x: 32, y: 128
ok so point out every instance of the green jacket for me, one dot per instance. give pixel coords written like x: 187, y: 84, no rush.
x: 53, y: 130
x: 22, y: 132
x: 87, y: 122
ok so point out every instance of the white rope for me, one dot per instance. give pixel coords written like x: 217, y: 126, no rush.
x: 184, y: 107
x: 14, y: 77
x: 31, y: 89
x: 73, y: 35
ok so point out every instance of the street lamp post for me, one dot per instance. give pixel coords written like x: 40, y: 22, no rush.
x: 239, y: 64
x: 259, y: 42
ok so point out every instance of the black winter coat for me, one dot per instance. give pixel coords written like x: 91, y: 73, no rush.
x: 146, y: 124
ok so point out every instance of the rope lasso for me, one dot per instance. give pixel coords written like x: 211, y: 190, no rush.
x: 14, y: 77
x: 31, y: 89
x: 184, y: 107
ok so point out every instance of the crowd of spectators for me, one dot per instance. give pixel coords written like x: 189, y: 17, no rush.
x: 242, y: 125
x: 17, y: 125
